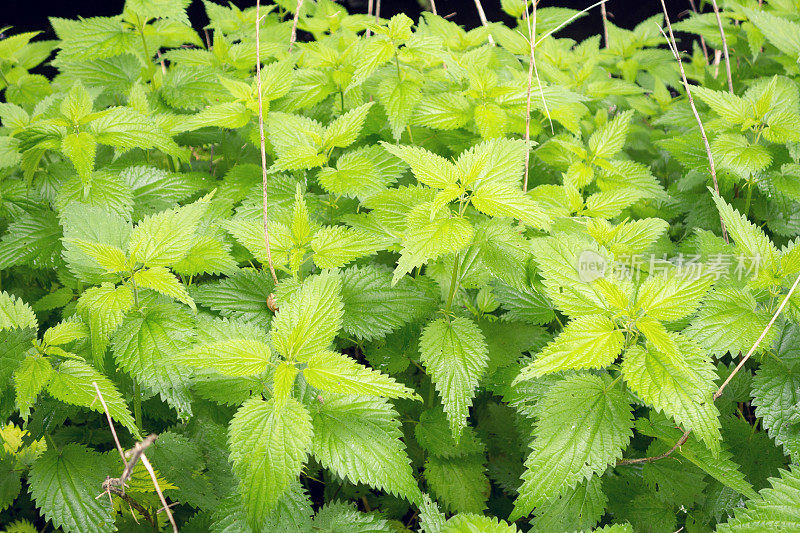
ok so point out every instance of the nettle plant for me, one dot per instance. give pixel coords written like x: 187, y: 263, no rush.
x: 456, y: 292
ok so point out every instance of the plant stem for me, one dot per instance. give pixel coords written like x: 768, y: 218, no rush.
x: 748, y: 198
x: 137, y: 405
x: 453, y: 282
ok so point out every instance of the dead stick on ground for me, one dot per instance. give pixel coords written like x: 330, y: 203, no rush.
x: 721, y: 388
x: 264, y: 191
x: 133, y: 456
x: 724, y: 45
x: 673, y: 45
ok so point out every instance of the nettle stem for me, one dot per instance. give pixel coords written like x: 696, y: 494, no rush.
x: 453, y: 282
x: 137, y: 405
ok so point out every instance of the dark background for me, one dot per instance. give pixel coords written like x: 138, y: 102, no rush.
x: 31, y: 15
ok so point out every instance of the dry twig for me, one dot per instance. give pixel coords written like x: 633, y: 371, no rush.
x: 673, y: 45
x: 702, y: 40
x: 433, y: 7
x: 484, y: 20
x: 532, y: 70
x: 293, y: 37
x: 264, y: 191
x: 604, y: 14
x: 129, y: 460
x: 724, y: 45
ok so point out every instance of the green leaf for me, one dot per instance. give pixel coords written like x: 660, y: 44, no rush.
x: 500, y: 200
x: 335, y: 372
x: 283, y: 381
x: 80, y: 148
x: 609, y: 140
x: 427, y: 240
x: 160, y: 279
x: 460, y: 484
x: 455, y: 356
x: 29, y: 379
x: 335, y: 246
x: 208, y: 255
x: 358, y: 438
x: 469, y: 522
x: 83, y: 223
x: 736, y: 153
x: 729, y: 106
x: 576, y: 510
x: 591, y: 341
x: 399, y: 98
x: 103, y: 309
x: 564, y: 263
x: 374, y: 308
x: 144, y: 346
x: 122, y: 127
x: 776, y: 391
x: 269, y: 444
x: 362, y: 172
x: 236, y: 357
x: 167, y: 237
x: 774, y: 509
x: 711, y: 327
x: 680, y: 385
x: 430, y: 169
x: 344, y: 131
x: 65, y: 332
x: 14, y: 345
x: 14, y: 313
x: 340, y: 517
x: 749, y: 238
x: 241, y: 295
x: 32, y: 239
x: 782, y: 33
x: 64, y: 484
x: 657, y: 335
x: 434, y: 435
x: 584, y: 425
x: 721, y: 468
x: 108, y: 256
x: 307, y: 324
x: 10, y: 485
x: 71, y: 383
x: 672, y: 295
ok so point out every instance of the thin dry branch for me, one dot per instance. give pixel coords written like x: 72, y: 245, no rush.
x: 370, y: 5
x: 293, y: 37
x: 264, y: 192
x: 673, y: 45
x: 604, y: 14
x: 724, y: 45
x: 433, y: 7
x: 721, y: 388
x: 569, y: 20
x: 702, y: 40
x: 130, y: 459
x: 484, y: 20
x: 532, y: 70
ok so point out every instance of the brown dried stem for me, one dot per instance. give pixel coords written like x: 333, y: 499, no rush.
x: 293, y: 37
x: 673, y: 45
x: 117, y: 485
x: 264, y: 192
x: 532, y: 70
x: 484, y: 20
x: 724, y: 45
x: 433, y: 7
x: 604, y: 14
x: 702, y: 40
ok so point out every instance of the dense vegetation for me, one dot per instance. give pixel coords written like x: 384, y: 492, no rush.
x: 469, y: 331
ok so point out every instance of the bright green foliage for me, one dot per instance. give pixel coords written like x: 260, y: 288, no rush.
x: 454, y: 354
x: 64, y: 484
x: 457, y: 294
x: 584, y: 424
x: 269, y: 443
x: 364, y: 430
x: 774, y: 509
